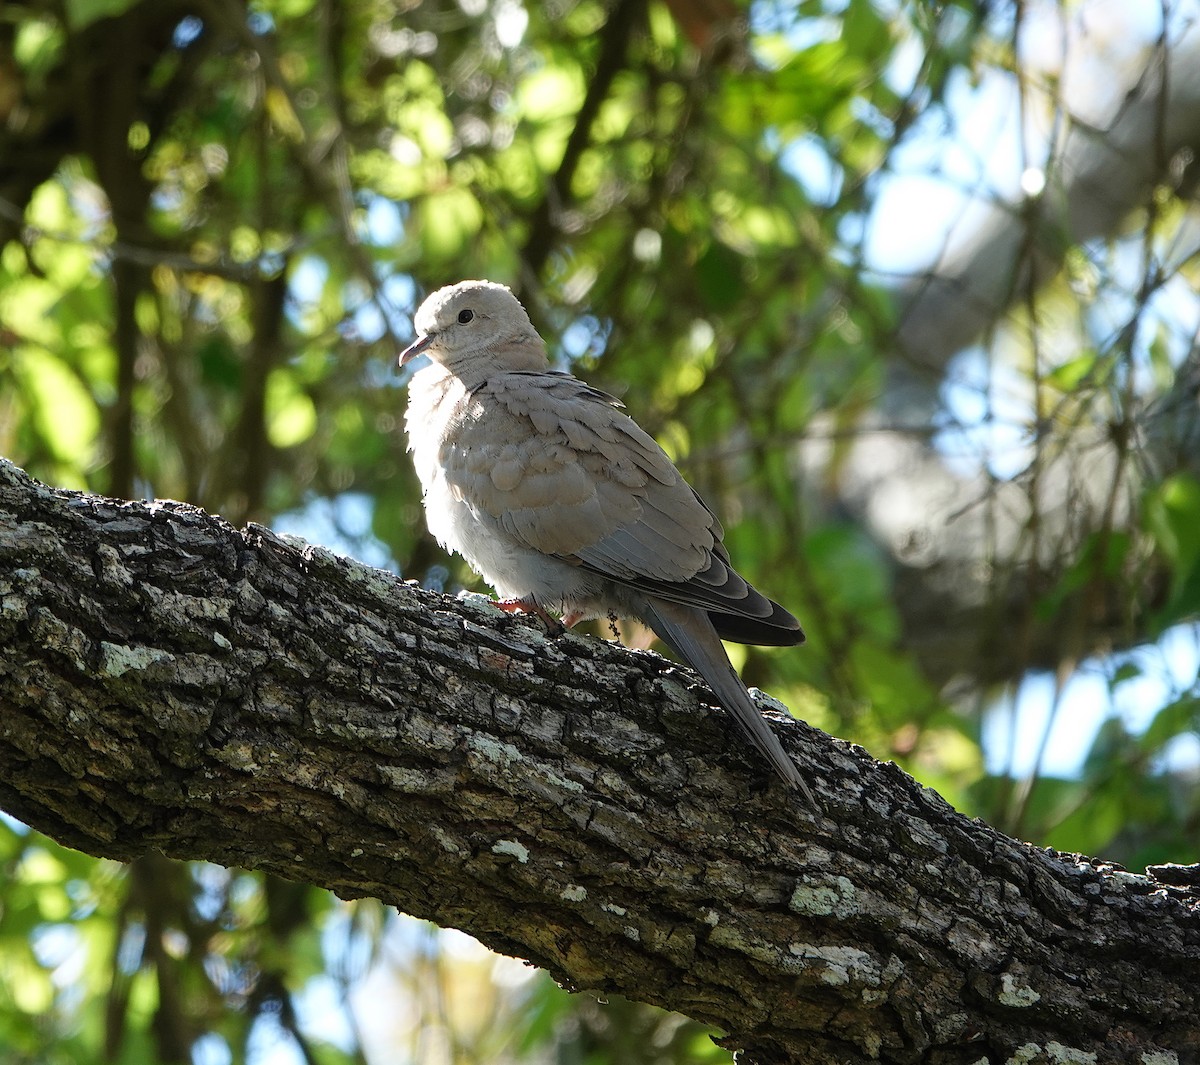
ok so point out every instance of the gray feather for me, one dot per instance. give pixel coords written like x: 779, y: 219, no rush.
x: 690, y: 633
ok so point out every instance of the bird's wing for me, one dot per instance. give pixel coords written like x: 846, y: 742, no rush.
x: 563, y: 471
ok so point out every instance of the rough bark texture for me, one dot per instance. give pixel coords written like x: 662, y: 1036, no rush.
x: 169, y: 682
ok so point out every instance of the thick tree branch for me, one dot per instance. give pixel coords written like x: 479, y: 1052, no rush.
x: 170, y: 683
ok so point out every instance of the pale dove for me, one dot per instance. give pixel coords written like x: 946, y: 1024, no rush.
x: 561, y: 502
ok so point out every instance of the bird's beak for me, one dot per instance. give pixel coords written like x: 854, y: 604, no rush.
x: 417, y: 347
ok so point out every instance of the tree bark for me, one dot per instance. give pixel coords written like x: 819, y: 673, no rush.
x: 170, y: 683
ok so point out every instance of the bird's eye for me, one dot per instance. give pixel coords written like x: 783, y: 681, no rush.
x: 465, y: 316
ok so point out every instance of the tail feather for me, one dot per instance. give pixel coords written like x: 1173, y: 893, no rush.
x: 780, y: 630
x: 690, y: 633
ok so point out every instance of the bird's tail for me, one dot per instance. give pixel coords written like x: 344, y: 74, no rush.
x: 690, y: 633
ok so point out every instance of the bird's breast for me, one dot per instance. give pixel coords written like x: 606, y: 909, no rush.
x: 434, y: 400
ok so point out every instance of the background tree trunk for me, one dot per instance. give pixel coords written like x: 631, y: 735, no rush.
x: 170, y: 683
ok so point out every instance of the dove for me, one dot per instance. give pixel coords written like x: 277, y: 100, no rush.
x: 562, y: 503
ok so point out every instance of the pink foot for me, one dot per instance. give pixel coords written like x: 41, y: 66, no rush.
x: 574, y: 617
x: 529, y: 605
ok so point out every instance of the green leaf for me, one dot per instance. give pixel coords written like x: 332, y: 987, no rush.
x: 864, y: 30
x: 1089, y: 827
x: 63, y: 410
x: 82, y: 13
x: 1175, y: 719
x: 551, y: 94
x: 291, y: 414
x: 219, y: 364
x: 38, y: 44
x: 1172, y: 516
x: 446, y: 221
x: 1067, y: 376
x: 291, y: 8
x: 719, y: 277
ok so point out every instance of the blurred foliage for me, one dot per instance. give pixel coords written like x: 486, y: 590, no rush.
x: 216, y: 220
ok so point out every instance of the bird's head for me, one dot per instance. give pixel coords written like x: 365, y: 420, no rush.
x: 476, y: 325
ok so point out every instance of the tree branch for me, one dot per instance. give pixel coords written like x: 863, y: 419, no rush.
x: 614, y: 42
x: 170, y: 683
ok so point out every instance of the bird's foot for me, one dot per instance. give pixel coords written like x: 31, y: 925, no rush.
x: 529, y: 605
x: 573, y: 617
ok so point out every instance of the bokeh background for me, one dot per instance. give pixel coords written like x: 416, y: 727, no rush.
x: 908, y: 290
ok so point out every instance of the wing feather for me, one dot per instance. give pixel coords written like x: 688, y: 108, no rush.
x: 565, y: 472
